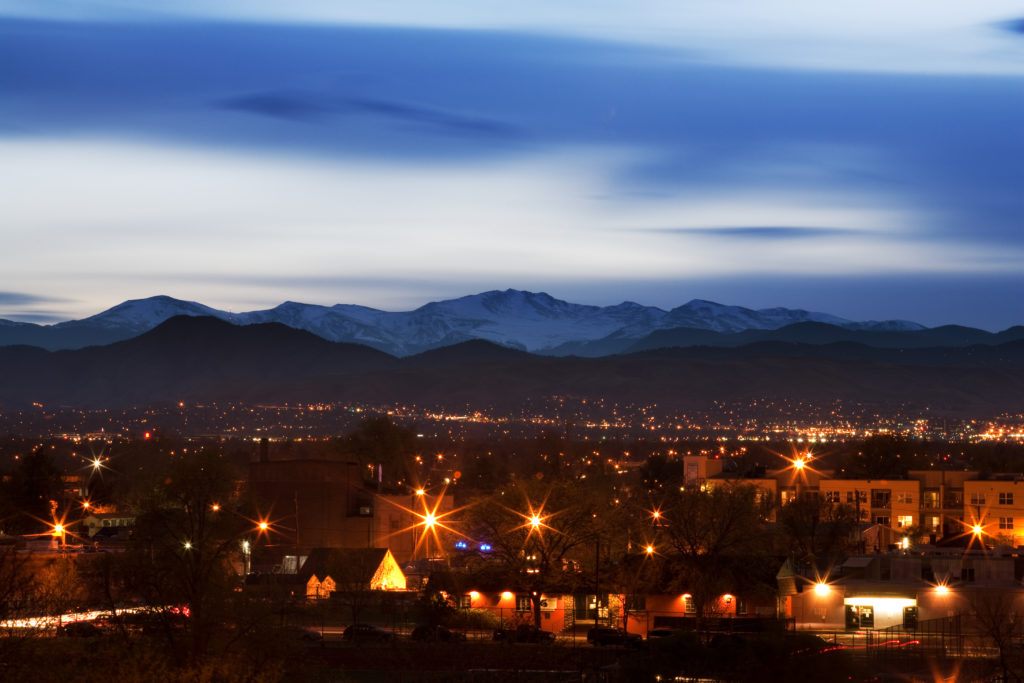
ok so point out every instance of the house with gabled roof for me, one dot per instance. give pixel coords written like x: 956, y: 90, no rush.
x: 330, y: 570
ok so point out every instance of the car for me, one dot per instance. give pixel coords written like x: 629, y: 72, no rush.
x: 80, y: 629
x: 524, y: 633
x: 606, y: 635
x: 302, y: 633
x: 437, y: 633
x: 661, y: 632
x: 367, y: 633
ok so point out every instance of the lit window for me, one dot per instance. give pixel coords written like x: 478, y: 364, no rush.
x: 904, y: 520
x: 689, y: 606
x: 1006, y: 498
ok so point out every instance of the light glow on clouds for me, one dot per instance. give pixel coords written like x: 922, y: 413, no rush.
x: 177, y: 219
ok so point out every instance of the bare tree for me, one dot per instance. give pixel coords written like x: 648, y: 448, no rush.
x: 18, y: 592
x: 998, y: 615
x: 541, y: 534
x: 711, y: 534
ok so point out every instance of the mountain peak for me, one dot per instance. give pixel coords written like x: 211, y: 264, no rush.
x: 512, y: 318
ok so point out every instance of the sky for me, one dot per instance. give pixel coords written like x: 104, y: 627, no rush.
x: 865, y: 161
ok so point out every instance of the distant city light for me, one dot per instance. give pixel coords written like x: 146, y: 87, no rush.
x: 485, y: 547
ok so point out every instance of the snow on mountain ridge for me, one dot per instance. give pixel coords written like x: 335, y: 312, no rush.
x: 516, y: 318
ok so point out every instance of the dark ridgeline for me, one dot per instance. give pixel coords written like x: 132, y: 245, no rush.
x: 205, y: 359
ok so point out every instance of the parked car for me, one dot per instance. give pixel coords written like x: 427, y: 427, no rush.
x: 661, y: 632
x: 80, y: 629
x: 524, y: 633
x: 437, y: 633
x: 366, y: 633
x: 606, y: 635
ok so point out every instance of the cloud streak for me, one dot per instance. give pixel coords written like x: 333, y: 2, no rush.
x: 319, y: 163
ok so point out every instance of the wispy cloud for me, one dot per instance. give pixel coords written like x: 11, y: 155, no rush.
x: 25, y: 299
x: 775, y: 232
x: 321, y: 108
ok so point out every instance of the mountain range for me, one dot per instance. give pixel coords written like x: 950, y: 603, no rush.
x: 204, y: 359
x: 534, y: 322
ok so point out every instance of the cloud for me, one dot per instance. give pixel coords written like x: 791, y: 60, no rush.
x: 24, y: 299
x: 763, y: 232
x: 319, y: 107
x: 1013, y: 25
x: 278, y: 106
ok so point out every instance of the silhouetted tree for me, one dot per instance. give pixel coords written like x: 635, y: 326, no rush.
x: 813, y: 529
x: 541, y: 534
x: 379, y: 442
x: 711, y: 534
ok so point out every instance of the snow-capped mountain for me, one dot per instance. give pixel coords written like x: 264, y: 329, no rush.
x: 141, y: 315
x: 530, y: 321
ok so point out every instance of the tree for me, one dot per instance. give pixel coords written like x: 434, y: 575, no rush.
x: 814, y: 530
x: 181, y: 556
x: 18, y: 593
x: 540, y: 534
x: 378, y: 442
x: 34, y: 490
x: 999, y: 617
x: 711, y: 534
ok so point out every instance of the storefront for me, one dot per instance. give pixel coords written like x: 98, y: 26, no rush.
x: 878, y: 611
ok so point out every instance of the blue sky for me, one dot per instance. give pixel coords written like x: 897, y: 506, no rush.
x: 867, y: 162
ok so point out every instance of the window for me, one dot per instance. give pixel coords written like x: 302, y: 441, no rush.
x: 523, y: 603
x: 1006, y: 522
x: 852, y: 496
x: 741, y: 606
x: 882, y: 521
x: 977, y: 498
x: 905, y: 520
x: 930, y: 499
x: 1006, y: 498
x: 832, y: 496
x: 465, y: 601
x: 690, y: 608
x: 905, y: 497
